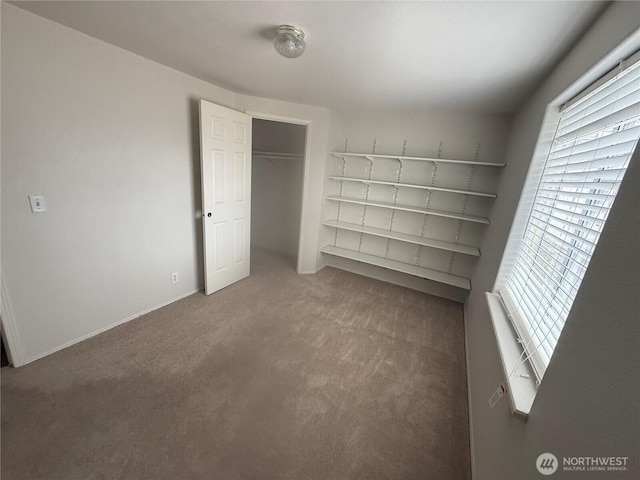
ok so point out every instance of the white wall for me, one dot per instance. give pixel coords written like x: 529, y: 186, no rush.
x: 587, y: 403
x: 111, y: 140
x: 423, y: 131
x: 276, y: 187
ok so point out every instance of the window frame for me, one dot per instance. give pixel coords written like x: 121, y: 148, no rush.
x: 524, y: 378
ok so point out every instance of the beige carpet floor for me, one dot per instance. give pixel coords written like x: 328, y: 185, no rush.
x: 280, y: 376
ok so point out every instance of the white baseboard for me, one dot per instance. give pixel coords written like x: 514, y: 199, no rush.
x: 398, y: 278
x: 466, y: 359
x: 104, y: 329
x: 311, y: 272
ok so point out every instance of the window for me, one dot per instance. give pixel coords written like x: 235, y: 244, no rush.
x: 564, y: 207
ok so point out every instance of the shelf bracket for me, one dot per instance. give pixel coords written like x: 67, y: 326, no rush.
x: 393, y: 216
x: 452, y: 257
x: 364, y: 212
x: 434, y: 172
x: 344, y: 166
x: 463, y: 206
x: 395, y: 197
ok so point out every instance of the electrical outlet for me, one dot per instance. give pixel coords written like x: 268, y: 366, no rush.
x: 497, y: 395
x: 174, y: 277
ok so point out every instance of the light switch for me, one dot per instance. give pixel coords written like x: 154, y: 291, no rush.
x: 37, y: 203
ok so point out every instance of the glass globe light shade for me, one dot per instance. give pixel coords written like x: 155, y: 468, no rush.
x: 289, y: 41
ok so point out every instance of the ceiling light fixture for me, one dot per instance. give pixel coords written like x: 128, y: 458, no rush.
x: 289, y: 41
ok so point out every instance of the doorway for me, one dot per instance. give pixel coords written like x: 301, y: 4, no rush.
x: 4, y: 358
x: 277, y: 178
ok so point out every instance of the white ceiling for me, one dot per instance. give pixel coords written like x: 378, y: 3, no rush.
x: 477, y: 56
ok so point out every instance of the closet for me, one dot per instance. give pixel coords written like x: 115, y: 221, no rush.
x: 276, y: 186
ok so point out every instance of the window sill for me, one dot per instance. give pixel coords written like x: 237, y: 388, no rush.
x: 521, y: 385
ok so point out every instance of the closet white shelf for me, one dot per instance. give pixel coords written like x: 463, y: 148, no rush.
x: 278, y: 155
x: 403, y: 237
x: 422, y: 272
x: 408, y: 208
x: 410, y: 185
x: 420, y: 159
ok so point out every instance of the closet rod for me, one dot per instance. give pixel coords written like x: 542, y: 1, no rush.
x: 278, y: 154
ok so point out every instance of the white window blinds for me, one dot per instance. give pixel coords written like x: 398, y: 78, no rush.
x: 543, y: 267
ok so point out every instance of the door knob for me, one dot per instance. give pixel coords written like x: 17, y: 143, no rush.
x: 209, y: 214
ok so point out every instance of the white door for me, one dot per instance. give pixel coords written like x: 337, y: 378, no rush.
x: 225, y: 156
